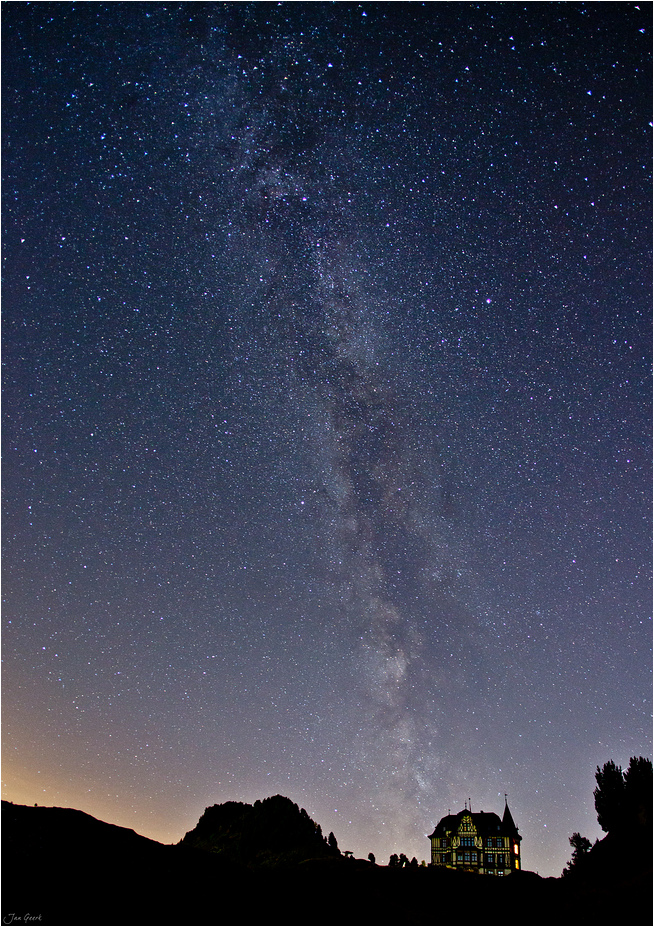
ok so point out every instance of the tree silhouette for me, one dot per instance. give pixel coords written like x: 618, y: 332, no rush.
x: 580, y: 846
x: 624, y: 799
x: 638, y: 790
x: 371, y: 857
x: 394, y: 860
x: 609, y: 795
x: 332, y: 843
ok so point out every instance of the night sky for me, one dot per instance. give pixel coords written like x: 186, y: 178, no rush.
x: 327, y: 460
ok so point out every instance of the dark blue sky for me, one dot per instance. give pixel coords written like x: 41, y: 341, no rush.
x: 327, y: 455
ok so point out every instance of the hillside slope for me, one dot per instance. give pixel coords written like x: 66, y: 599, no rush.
x: 69, y: 868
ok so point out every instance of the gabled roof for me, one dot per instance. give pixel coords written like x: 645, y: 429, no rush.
x: 448, y: 823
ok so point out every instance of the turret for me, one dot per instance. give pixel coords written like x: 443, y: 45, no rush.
x: 507, y: 820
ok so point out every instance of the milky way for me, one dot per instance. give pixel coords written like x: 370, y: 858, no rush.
x: 326, y: 343
x: 373, y: 463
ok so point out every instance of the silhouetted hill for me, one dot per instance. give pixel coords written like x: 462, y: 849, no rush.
x: 45, y: 830
x: 271, y: 832
x: 70, y: 868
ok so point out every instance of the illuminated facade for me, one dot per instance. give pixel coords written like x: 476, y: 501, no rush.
x: 477, y: 841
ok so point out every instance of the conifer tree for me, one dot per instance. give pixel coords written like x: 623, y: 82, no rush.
x: 624, y: 799
x: 609, y: 795
x: 333, y: 845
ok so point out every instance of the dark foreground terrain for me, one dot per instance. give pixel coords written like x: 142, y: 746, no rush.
x: 62, y: 866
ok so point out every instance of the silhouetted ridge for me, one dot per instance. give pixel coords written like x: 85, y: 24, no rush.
x: 271, y: 832
x: 62, y: 830
x: 69, y: 868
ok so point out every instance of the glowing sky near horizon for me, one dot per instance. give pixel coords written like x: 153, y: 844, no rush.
x: 327, y: 467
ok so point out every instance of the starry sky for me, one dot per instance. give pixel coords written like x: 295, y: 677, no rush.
x: 326, y: 432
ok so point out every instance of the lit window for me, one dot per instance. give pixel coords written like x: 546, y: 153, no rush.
x: 474, y: 856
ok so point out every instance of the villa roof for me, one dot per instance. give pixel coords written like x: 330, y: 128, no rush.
x: 485, y: 822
